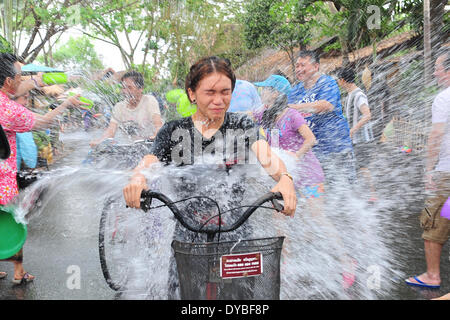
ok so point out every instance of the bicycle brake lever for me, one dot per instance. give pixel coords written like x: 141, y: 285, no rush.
x: 146, y: 204
x: 277, y: 205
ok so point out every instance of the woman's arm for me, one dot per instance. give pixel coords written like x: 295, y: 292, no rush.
x: 313, y: 107
x: 366, y: 115
x: 434, y: 143
x: 110, y: 132
x: 310, y: 140
x: 276, y: 168
x: 157, y: 123
x: 44, y: 121
x: 138, y: 182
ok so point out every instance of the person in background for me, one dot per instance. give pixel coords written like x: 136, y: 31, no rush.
x: 138, y: 114
x: 436, y: 229
x: 358, y: 115
x: 15, y: 118
x: 245, y: 97
x: 379, y: 97
x: 285, y: 128
x: 318, y: 99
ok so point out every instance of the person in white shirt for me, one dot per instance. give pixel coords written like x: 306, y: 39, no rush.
x: 436, y: 228
x: 358, y: 115
x: 138, y: 115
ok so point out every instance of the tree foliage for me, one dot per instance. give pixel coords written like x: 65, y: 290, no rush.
x: 162, y: 38
x: 5, y: 46
x: 34, y: 23
x: 158, y: 35
x: 76, y: 54
x: 285, y: 24
x: 289, y: 24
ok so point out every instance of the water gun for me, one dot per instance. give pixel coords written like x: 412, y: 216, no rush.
x: 85, y: 100
x: 54, y: 78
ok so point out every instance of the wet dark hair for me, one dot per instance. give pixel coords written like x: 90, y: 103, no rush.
x: 7, y: 69
x: 270, y: 115
x: 205, y: 67
x: 347, y: 74
x: 313, y: 56
x: 136, y: 76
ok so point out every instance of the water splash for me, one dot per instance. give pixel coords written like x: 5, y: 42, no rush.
x: 316, y: 245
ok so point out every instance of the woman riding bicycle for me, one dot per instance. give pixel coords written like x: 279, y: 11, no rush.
x: 209, y: 86
x: 210, y: 133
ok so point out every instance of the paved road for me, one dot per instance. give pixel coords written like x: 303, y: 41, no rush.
x: 63, y: 240
x: 63, y: 243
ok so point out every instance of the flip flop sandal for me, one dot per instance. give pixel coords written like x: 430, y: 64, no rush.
x: 25, y: 279
x: 421, y: 284
x: 3, y: 275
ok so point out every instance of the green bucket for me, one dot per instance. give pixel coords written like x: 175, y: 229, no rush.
x: 12, y: 234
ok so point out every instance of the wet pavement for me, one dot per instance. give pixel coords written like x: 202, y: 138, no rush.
x: 62, y: 245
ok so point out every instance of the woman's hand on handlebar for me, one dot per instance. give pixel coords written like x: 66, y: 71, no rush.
x: 286, y: 187
x: 132, y: 191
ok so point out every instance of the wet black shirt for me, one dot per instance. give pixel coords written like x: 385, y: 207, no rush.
x: 180, y: 143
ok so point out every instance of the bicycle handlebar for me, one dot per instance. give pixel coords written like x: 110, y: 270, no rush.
x: 147, y: 196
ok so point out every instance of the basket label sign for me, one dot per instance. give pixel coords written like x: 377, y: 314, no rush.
x: 241, y: 265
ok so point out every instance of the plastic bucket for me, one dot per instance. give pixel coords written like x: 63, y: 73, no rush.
x: 12, y: 234
x: 54, y: 78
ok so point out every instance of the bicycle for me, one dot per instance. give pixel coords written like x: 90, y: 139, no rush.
x: 242, y: 269
x: 109, y: 153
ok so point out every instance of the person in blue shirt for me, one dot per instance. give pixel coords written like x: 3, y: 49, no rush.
x: 318, y: 98
x: 245, y: 97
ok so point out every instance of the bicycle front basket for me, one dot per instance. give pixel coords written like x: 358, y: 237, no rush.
x: 252, y: 270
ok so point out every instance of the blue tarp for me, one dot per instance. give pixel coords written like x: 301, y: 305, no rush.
x: 35, y: 68
x: 26, y: 150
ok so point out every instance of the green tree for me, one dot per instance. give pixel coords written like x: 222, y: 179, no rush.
x: 350, y: 20
x: 32, y: 24
x: 108, y: 20
x: 359, y: 23
x: 76, y: 53
x: 190, y: 29
x: 160, y: 38
x: 285, y: 24
x: 5, y: 46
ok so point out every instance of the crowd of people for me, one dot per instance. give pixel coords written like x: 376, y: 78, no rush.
x: 331, y: 143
